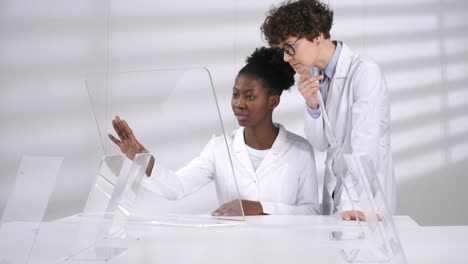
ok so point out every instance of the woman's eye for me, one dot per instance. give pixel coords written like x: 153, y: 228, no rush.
x: 250, y: 97
x: 234, y: 95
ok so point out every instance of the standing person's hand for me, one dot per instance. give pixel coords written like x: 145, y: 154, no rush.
x: 127, y: 142
x: 351, y: 215
x: 308, y: 87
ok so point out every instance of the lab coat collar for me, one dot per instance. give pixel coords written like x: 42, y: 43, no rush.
x: 336, y: 86
x: 344, y: 62
x: 278, y: 145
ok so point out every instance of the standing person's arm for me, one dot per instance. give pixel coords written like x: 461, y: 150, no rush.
x: 313, y: 125
x: 314, y: 129
x: 369, y: 89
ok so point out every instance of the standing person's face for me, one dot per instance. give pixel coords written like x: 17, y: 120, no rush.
x: 300, y: 53
x: 251, y: 102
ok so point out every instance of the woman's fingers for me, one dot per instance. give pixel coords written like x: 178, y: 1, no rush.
x: 218, y: 212
x: 115, y: 124
x: 225, y: 210
x: 122, y: 129
x: 308, y: 90
x: 116, y: 141
x: 351, y: 215
x: 127, y: 130
x: 311, y: 80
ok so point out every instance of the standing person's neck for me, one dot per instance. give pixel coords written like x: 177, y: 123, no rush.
x: 326, y: 53
x: 261, y: 137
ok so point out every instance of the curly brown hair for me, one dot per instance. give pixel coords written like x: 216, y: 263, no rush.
x: 301, y: 18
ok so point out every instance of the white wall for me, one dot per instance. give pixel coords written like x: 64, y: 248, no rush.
x: 47, y: 47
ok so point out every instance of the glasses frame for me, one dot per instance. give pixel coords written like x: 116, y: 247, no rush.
x: 289, y: 48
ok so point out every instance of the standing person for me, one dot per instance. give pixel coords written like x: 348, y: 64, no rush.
x: 347, y: 104
x: 274, y: 168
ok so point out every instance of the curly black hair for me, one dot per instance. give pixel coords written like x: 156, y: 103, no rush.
x: 268, y: 65
x: 301, y: 18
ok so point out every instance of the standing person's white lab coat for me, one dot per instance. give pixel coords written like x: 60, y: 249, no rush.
x: 284, y: 183
x: 358, y: 110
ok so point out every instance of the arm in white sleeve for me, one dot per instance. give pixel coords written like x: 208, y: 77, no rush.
x: 175, y: 185
x: 314, y: 113
x: 366, y: 123
x: 346, y: 202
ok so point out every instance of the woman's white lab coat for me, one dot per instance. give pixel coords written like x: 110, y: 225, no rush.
x: 358, y: 113
x: 285, y: 181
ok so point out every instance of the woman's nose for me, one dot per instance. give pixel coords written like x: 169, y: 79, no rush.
x: 240, y: 103
x: 286, y: 57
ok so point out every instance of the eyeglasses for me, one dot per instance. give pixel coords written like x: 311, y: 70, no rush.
x: 289, y: 49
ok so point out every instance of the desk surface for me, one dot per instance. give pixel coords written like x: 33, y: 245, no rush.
x: 314, y: 221
x: 261, y: 239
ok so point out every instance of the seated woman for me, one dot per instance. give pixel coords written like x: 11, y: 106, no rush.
x: 274, y: 169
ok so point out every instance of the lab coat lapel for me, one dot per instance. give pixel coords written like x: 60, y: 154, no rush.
x: 332, y: 108
x: 241, y: 152
x: 335, y: 92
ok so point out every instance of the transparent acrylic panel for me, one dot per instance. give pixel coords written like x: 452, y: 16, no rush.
x: 174, y: 114
x: 26, y: 206
x: 104, y: 218
x: 376, y: 241
x: 53, y: 181
x: 33, y: 187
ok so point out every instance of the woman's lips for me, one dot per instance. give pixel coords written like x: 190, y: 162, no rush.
x: 241, y: 117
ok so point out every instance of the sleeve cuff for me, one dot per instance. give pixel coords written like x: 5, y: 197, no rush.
x: 314, y: 113
x: 285, y: 209
x: 267, y: 207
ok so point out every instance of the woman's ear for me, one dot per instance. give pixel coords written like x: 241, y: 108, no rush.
x: 318, y: 39
x: 274, y: 101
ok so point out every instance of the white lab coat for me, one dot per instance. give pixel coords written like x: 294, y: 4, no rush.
x: 285, y: 181
x: 358, y: 113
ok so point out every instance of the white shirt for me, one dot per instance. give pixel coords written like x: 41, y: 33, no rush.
x: 284, y: 183
x: 256, y: 156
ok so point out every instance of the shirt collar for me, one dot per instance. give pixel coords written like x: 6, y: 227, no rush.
x: 331, y: 67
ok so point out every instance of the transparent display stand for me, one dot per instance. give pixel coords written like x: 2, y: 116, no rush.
x: 23, y: 216
x: 104, y: 218
x: 376, y: 239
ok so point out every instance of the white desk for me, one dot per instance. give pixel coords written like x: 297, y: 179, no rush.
x: 261, y: 239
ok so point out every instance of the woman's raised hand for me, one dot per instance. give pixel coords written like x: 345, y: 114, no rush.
x: 127, y: 142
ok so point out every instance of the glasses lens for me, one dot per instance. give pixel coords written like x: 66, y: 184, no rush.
x: 288, y: 48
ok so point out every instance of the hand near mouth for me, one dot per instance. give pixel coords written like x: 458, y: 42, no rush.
x: 308, y: 87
